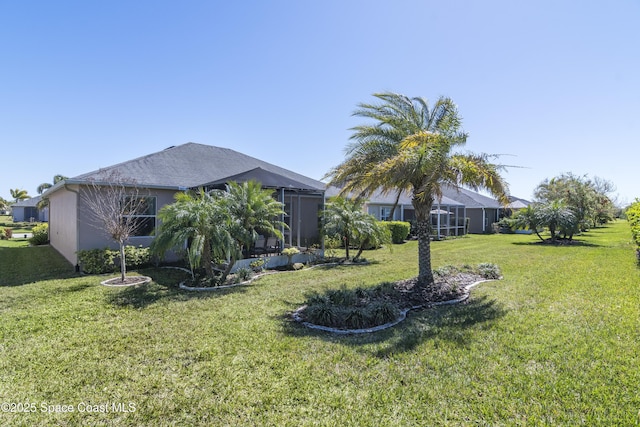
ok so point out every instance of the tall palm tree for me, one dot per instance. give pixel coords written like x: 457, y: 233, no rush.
x: 18, y: 194
x: 411, y: 147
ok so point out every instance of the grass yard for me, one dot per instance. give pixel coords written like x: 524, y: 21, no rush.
x: 557, y: 342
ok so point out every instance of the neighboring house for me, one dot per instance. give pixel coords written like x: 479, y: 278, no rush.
x: 516, y: 203
x: 447, y: 215
x: 27, y: 210
x: 482, y: 211
x: 162, y: 174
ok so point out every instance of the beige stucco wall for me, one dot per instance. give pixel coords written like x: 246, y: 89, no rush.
x: 63, y: 229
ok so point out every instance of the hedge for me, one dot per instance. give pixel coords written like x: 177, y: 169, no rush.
x: 399, y: 230
x: 633, y: 216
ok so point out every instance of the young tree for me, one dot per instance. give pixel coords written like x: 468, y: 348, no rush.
x: 411, y: 146
x: 114, y: 206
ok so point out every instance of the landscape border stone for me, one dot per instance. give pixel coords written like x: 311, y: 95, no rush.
x: 403, y: 314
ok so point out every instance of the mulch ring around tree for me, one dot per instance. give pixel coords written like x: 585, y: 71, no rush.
x: 128, y: 281
x: 408, y: 295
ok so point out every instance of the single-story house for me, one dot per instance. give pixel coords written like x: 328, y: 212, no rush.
x: 457, y: 212
x: 27, y: 210
x: 179, y: 168
x: 482, y: 211
x: 447, y: 215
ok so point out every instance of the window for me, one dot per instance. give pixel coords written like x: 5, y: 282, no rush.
x: 385, y: 213
x: 143, y: 211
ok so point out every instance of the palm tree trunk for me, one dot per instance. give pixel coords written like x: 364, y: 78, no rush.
x: 206, y: 259
x: 423, y: 229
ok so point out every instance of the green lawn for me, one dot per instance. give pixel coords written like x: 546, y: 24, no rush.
x: 557, y: 342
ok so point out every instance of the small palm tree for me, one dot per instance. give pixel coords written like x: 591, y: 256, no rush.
x: 346, y: 219
x: 254, y: 210
x: 199, y: 221
x: 559, y: 218
x: 527, y: 218
x: 411, y: 147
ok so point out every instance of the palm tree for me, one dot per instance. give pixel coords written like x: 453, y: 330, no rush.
x: 346, y: 219
x: 197, y: 220
x: 252, y: 211
x: 557, y: 216
x: 528, y: 218
x: 46, y: 185
x: 410, y: 147
x: 19, y: 194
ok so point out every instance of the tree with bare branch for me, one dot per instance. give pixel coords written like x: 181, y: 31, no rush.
x: 114, y: 207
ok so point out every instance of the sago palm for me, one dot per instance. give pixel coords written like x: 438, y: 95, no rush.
x: 411, y: 147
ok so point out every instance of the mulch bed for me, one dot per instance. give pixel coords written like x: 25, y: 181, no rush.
x: 447, y: 288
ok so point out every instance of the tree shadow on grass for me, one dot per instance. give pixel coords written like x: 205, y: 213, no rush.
x: 453, y: 323
x: 571, y: 244
x: 164, y: 286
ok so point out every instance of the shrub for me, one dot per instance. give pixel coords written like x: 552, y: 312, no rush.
x: 258, y: 265
x: 97, y: 261
x: 382, y: 312
x: 136, y: 257
x: 342, y: 296
x: 2, y: 235
x: 489, y: 271
x: 633, y: 216
x: 356, y: 318
x: 8, y: 233
x: 399, y: 230
x: 243, y: 274
x: 321, y: 314
x: 40, y: 234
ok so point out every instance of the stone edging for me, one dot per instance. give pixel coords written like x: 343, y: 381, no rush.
x: 403, y: 314
x: 142, y: 281
x: 257, y: 276
x: 214, y: 288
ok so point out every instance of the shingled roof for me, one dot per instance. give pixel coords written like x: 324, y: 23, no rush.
x: 191, y: 165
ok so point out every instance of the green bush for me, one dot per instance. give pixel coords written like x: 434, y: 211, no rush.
x: 489, y: 270
x: 243, y: 274
x: 135, y: 257
x: 97, y: 261
x: 633, y: 216
x: 40, y: 234
x: 399, y: 230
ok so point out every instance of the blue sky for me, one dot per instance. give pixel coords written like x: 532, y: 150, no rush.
x: 554, y: 85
